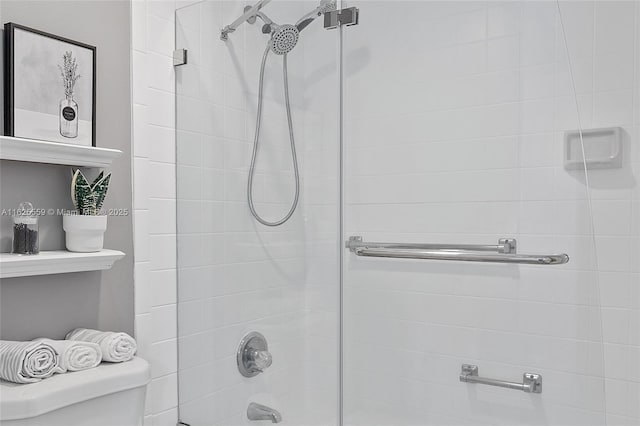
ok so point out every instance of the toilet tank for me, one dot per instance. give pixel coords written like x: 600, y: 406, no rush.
x: 108, y: 395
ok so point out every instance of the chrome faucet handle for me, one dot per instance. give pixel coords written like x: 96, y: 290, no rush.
x: 261, y: 360
x: 253, y: 355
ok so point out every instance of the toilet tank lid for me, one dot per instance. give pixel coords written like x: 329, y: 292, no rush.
x: 34, y: 399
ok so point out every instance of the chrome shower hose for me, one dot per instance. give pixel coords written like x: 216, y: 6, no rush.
x: 256, y: 142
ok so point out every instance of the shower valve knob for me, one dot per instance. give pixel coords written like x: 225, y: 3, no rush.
x: 260, y: 360
x: 253, y: 355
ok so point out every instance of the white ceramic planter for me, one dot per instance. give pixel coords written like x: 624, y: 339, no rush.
x: 84, y: 233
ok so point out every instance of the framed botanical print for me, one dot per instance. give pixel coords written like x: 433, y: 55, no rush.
x: 50, y: 87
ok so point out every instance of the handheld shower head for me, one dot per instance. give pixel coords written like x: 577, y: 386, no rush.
x: 283, y: 38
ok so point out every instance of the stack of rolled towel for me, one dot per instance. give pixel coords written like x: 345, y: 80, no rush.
x: 29, y: 362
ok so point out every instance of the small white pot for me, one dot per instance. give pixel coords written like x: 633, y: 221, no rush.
x: 84, y: 233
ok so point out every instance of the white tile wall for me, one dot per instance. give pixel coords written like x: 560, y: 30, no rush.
x: 154, y: 202
x: 493, y: 95
x: 454, y: 134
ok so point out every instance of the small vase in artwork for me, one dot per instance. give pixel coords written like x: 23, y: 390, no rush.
x: 69, y: 117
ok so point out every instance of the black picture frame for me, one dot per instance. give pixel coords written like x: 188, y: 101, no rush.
x: 10, y: 75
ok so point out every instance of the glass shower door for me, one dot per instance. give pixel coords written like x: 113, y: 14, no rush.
x: 236, y: 276
x: 454, y: 127
x: 455, y: 118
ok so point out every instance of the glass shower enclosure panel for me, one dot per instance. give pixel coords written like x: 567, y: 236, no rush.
x: 236, y: 276
x: 455, y: 115
x: 455, y: 119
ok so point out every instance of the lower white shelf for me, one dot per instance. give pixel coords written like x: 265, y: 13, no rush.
x: 56, y: 262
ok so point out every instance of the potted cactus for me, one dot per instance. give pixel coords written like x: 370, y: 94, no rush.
x: 84, y: 228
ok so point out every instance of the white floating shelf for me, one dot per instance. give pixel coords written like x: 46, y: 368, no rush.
x: 34, y: 151
x: 56, y: 262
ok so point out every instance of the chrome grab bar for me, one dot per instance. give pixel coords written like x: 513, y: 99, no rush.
x: 503, y: 252
x: 531, y: 383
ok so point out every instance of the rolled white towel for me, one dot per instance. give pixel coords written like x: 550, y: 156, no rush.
x: 75, y: 355
x: 28, y: 362
x: 116, y: 347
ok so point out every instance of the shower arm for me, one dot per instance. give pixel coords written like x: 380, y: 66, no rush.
x: 250, y: 12
x: 325, y: 6
x: 310, y: 15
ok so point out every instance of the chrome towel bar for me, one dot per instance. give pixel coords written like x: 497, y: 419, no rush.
x: 503, y: 252
x: 531, y: 383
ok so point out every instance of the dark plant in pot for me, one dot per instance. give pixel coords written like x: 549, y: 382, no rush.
x: 84, y: 228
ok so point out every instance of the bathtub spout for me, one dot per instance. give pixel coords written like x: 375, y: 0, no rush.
x: 262, y: 412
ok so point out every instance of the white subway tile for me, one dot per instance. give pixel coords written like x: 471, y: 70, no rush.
x: 141, y: 235
x: 212, y: 184
x: 161, y: 74
x: 162, y: 109
x: 190, y: 81
x: 142, y: 287
x: 613, y: 72
x: 163, y: 286
x: 503, y: 19
x: 189, y: 183
x: 166, y: 418
x: 503, y: 53
x: 191, y: 317
x: 164, y: 9
x: 162, y: 216
x: 142, y: 334
x: 139, y: 25
x: 234, y: 125
x: 140, y: 132
x: 191, y: 115
x: 190, y: 217
x: 163, y: 323
x: 141, y: 184
x: 471, y: 26
x: 613, y: 108
x: 139, y: 86
x: 163, y: 393
x: 234, y: 93
x: 163, y: 252
x: 163, y: 180
x: 160, y: 35
x: 188, y: 150
x: 163, y: 358
x: 614, y: 27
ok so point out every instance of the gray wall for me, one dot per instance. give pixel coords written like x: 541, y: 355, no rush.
x: 51, y: 305
x: 1, y: 78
